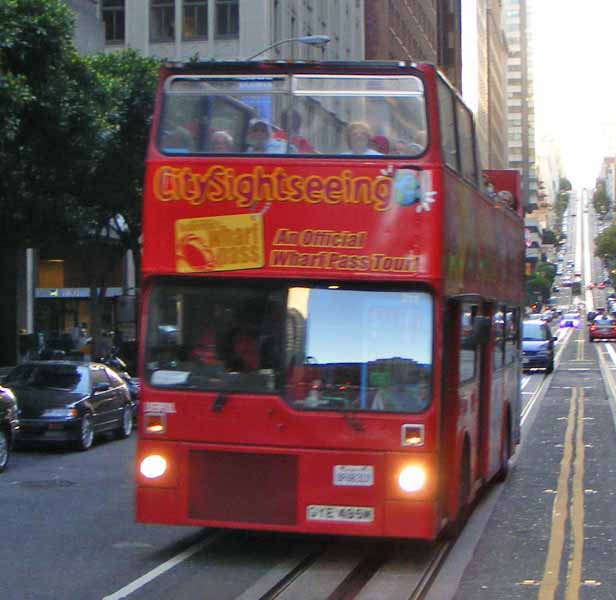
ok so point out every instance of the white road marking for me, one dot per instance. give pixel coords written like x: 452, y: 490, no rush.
x: 525, y: 381
x: 166, y: 566
x: 611, y: 352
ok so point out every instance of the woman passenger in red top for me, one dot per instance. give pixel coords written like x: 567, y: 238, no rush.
x: 245, y: 348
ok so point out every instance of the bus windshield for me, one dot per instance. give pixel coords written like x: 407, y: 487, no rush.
x: 351, y: 115
x: 317, y: 347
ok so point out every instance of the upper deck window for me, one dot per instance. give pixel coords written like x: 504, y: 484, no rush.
x: 301, y: 114
x: 447, y: 122
x: 466, y: 142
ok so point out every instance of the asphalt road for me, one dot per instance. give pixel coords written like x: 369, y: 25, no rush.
x: 68, y: 529
x: 67, y: 524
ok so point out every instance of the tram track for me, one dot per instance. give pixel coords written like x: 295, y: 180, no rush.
x: 391, y: 570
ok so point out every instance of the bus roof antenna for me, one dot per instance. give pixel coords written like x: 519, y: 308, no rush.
x: 310, y: 40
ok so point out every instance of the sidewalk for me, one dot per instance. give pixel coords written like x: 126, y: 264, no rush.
x: 552, y: 532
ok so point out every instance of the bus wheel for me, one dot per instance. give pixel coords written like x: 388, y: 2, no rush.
x: 502, y: 473
x: 454, y: 528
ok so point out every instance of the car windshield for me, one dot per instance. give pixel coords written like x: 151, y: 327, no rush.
x: 604, y: 322
x: 70, y: 378
x: 571, y: 316
x: 533, y: 331
x: 318, y: 348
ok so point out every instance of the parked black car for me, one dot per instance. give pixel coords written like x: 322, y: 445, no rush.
x: 66, y: 401
x: 9, y: 425
x: 537, y: 346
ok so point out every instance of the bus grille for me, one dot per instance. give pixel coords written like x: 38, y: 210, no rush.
x: 247, y: 488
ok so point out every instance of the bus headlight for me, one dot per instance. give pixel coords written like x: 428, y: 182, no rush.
x: 412, y: 478
x: 153, y: 466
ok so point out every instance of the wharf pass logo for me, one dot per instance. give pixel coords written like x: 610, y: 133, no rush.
x: 226, y: 243
x: 220, y: 184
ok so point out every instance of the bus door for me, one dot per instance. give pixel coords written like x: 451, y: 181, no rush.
x: 471, y: 360
x: 491, y: 392
x: 461, y: 385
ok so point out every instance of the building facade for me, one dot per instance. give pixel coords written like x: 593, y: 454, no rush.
x: 450, y: 40
x: 496, y: 56
x: 485, y: 79
x: 549, y: 172
x: 520, y: 101
x: 402, y: 30
x: 234, y: 29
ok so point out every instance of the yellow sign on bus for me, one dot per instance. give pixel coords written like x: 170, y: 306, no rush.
x: 225, y: 243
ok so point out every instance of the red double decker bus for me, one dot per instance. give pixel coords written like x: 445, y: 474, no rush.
x: 331, y: 300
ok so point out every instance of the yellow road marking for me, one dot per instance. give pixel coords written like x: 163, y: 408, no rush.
x: 574, y: 572
x: 551, y: 571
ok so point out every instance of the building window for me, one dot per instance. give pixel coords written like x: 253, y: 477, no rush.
x: 227, y: 18
x: 195, y: 19
x: 113, y: 17
x: 162, y: 20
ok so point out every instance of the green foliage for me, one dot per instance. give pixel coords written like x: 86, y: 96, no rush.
x: 74, y: 131
x: 548, y: 237
x: 125, y: 89
x: 605, y: 244
x: 46, y: 122
x: 560, y: 206
x: 547, y: 271
x: 538, y: 288
x: 600, y: 199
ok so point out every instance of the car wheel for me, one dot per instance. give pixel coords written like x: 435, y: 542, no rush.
x: 126, y: 428
x: 86, y: 433
x: 550, y: 367
x: 5, y: 450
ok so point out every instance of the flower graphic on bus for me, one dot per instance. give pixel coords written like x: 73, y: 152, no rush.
x: 413, y: 189
x: 197, y: 254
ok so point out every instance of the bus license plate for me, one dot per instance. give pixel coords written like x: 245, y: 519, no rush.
x: 347, y: 514
x: 354, y: 475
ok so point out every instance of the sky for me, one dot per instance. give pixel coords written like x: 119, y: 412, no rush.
x: 575, y: 81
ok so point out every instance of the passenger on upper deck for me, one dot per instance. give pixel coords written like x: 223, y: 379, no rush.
x: 358, y: 136
x: 260, y: 139
x: 380, y: 143
x: 291, y: 122
x: 221, y: 142
x: 178, y: 140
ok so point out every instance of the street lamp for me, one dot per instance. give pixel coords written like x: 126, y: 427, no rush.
x: 309, y: 40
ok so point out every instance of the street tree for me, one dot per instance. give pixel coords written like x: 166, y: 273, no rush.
x: 548, y: 237
x: 561, y: 203
x: 109, y: 218
x: 600, y: 199
x: 564, y: 185
x: 547, y: 271
x: 537, y: 288
x: 47, y: 121
x: 48, y: 134
x: 605, y: 244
